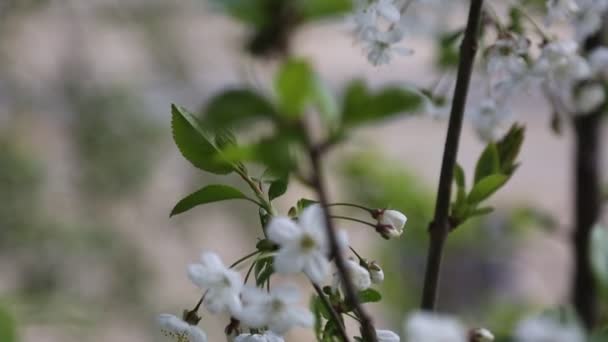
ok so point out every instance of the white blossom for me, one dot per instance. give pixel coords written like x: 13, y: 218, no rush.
x: 589, y: 97
x: 390, y: 223
x: 304, y: 246
x: 490, y: 119
x: 268, y: 336
x: 380, y: 46
x: 386, y: 336
x: 428, y: 327
x: 598, y: 61
x: 560, y: 10
x: 543, y: 329
x: 359, y: 276
x: 505, y: 64
x: 376, y: 273
x: 560, y: 62
x: 589, y: 18
x: 481, y: 335
x: 276, y: 309
x: 179, y: 330
x: 223, y: 285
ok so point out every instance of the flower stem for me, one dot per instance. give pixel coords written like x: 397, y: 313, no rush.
x: 334, y: 315
x: 440, y: 226
x: 356, y: 254
x: 234, y: 264
x: 353, y: 219
x: 367, y: 328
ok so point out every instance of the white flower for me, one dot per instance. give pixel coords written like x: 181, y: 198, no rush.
x: 380, y: 46
x: 489, y: 119
x: 387, y: 336
x: 368, y: 13
x: 589, y: 97
x: 275, y: 309
x: 375, y: 272
x: 560, y: 10
x: 359, y: 276
x: 390, y: 223
x: 543, y: 329
x: 560, y: 62
x: 481, y: 335
x: 179, y: 330
x: 428, y: 327
x: 268, y: 336
x: 505, y: 64
x: 598, y: 60
x: 589, y: 18
x: 223, y: 285
x: 304, y: 246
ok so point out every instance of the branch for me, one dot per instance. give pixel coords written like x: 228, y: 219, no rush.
x: 440, y: 226
x: 333, y: 313
x: 367, y: 328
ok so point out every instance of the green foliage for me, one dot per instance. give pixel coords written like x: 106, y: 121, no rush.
x: 194, y: 143
x: 236, y: 108
x: 369, y: 296
x: 361, y: 105
x: 493, y: 170
x: 447, y: 50
x: 263, y: 270
x: 599, y: 254
x: 295, y: 85
x: 208, y: 194
x: 320, y: 9
x: 277, y: 188
x: 8, y: 331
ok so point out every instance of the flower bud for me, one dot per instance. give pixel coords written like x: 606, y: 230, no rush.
x: 480, y: 335
x: 359, y: 276
x: 390, y: 223
x: 375, y: 272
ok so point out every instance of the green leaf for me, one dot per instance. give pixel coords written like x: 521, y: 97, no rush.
x: 599, y: 254
x: 316, y: 306
x: 263, y: 270
x: 509, y: 147
x: 251, y: 12
x: 236, y: 108
x: 224, y: 138
x: 277, y: 188
x: 194, y: 144
x: 369, y: 296
x: 272, y: 152
x: 486, y: 187
x: 295, y: 84
x: 480, y: 212
x: 8, y: 331
x: 488, y: 163
x: 319, y: 9
x: 361, y: 106
x: 599, y: 336
x: 208, y: 194
x: 461, y: 184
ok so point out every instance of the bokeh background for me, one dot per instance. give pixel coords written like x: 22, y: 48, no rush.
x: 89, y: 174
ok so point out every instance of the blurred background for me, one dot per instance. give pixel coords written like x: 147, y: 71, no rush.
x: 89, y: 174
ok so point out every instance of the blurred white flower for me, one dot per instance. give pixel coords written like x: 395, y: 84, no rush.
x: 376, y: 273
x: 598, y: 61
x: 359, y: 276
x: 380, y: 46
x: 390, y: 223
x: 560, y: 62
x: 275, y: 310
x: 304, y: 246
x: 428, y: 327
x: 268, y: 336
x: 179, y: 330
x: 505, y: 64
x: 490, y: 119
x: 387, y: 336
x: 589, y: 97
x: 560, y: 10
x: 223, y: 284
x: 543, y: 329
x: 481, y: 335
x: 589, y: 18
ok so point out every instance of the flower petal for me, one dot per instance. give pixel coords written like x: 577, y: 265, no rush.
x: 316, y: 267
x: 282, y: 230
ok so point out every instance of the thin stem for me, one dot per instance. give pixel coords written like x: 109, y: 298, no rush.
x: 367, y: 328
x: 357, y: 254
x: 353, y: 219
x: 249, y: 272
x: 344, y: 204
x: 353, y: 317
x: 440, y: 226
x: 234, y: 264
x: 332, y: 312
x: 532, y: 21
x: 200, y: 301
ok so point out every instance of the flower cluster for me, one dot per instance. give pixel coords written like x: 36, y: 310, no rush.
x: 296, y: 247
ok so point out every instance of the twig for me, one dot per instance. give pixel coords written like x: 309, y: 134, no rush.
x: 332, y: 312
x: 367, y: 327
x: 440, y: 226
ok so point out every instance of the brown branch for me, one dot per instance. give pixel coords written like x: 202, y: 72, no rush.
x: 440, y: 226
x: 587, y: 201
x: 332, y: 312
x: 367, y: 328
